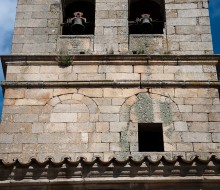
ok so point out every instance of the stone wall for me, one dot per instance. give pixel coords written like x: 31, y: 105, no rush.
x: 111, y: 31
x: 187, y: 29
x: 46, y: 121
x: 37, y: 27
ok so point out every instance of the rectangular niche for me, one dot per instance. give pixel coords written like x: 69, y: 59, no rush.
x: 150, y: 137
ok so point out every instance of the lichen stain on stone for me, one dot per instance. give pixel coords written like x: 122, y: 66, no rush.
x: 169, y: 132
x: 144, y: 109
x: 166, y: 113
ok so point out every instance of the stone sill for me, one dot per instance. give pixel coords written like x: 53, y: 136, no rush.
x: 147, y: 35
x: 76, y: 36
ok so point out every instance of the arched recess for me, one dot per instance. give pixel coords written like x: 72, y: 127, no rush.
x: 149, y: 108
x: 68, y: 121
x: 87, y: 7
x: 156, y: 10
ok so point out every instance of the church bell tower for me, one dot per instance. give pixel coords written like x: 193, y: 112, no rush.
x: 111, y: 95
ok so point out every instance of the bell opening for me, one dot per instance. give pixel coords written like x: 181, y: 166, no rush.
x: 146, y: 17
x: 78, y: 17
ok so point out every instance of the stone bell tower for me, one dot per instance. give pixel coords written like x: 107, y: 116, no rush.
x: 111, y: 27
x: 111, y: 94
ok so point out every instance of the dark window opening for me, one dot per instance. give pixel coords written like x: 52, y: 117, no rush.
x: 146, y: 16
x: 78, y: 17
x: 150, y: 137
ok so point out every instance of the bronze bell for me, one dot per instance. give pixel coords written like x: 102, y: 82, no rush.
x: 77, y: 27
x: 146, y: 25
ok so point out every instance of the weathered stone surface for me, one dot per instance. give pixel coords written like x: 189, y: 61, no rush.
x: 104, y: 121
x: 196, y: 137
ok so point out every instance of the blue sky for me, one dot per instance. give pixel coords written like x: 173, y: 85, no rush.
x: 7, y: 17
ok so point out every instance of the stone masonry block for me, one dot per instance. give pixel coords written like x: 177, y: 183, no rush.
x: 23, y: 118
x: 109, y: 92
x: 30, y: 102
x: 198, y: 101
x: 214, y: 127
x: 102, y: 127
x: 199, y: 126
x: 195, y: 116
x: 62, y: 108
x: 115, y: 69
x: 6, y: 138
x: 37, y: 128
x: 216, y: 137
x: 206, y: 147
x: 157, y: 76
x: 63, y: 117
x: 95, y: 137
x: 115, y: 147
x: 88, y: 77
x: 118, y: 101
x: 185, y: 108
x: 184, y: 147
x: 118, y: 126
x: 80, y: 127
x: 14, y: 93
x: 214, y: 117
x: 98, y: 147
x: 185, y: 93
x: 55, y: 127
x: 85, y: 69
x: 91, y: 92
x: 108, y: 117
x: 17, y: 109
x: 103, y: 101
x: 180, y: 126
x: 59, y: 138
x: 110, y: 137
x: 38, y: 93
x: 209, y: 93
x: 55, y: 69
x: 193, y: 13
x: 181, y: 21
x: 25, y: 138
x: 12, y: 148
x: 181, y: 6
x: 109, y: 109
x: 122, y: 76
x: 23, y: 69
x: 196, y: 137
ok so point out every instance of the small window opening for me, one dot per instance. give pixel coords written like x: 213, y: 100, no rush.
x: 146, y: 17
x: 150, y: 137
x: 78, y: 17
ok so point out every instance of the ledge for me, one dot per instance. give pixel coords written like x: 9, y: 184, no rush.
x: 115, y: 59
x: 111, y: 84
x: 77, y: 36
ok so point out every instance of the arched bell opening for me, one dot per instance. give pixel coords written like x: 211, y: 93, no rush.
x: 78, y: 17
x: 146, y: 16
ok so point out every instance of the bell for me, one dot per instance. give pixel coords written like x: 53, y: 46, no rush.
x: 77, y: 27
x: 146, y: 25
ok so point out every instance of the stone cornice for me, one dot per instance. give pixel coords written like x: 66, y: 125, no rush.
x: 111, y: 84
x: 114, y: 59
